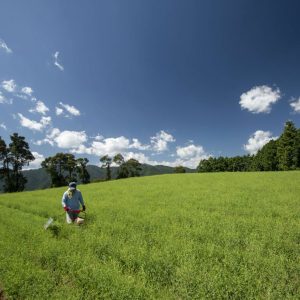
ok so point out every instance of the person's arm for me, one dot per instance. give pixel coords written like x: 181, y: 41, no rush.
x: 64, y: 202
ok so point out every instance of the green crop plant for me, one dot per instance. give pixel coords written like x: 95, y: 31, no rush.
x: 183, y: 236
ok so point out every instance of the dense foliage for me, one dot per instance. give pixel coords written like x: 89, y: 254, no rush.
x: 64, y: 168
x: 277, y: 155
x: 13, y: 159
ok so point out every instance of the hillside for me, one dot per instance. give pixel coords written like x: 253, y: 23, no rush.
x: 39, y: 179
x: 189, y: 236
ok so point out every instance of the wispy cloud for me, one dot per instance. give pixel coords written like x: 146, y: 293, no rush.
x: 34, y: 125
x: 56, y: 63
x: 257, y: 140
x: 3, y: 126
x: 58, y: 111
x: 296, y: 106
x: 259, y: 99
x: 3, y: 46
x: 69, y: 108
x: 2, y: 98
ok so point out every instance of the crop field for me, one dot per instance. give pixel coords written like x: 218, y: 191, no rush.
x: 181, y: 236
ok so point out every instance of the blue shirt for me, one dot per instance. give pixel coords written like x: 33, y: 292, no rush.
x: 74, y: 201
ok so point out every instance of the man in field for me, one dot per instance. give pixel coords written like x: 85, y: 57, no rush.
x: 71, y: 201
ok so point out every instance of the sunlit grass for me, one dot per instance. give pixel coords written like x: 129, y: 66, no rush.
x: 189, y: 236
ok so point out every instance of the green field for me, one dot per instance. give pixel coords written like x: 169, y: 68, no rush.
x: 187, y: 236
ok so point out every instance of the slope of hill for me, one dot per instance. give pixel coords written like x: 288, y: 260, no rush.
x: 157, y: 237
x: 39, y: 179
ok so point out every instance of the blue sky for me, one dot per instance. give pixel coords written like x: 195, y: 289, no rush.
x: 166, y: 82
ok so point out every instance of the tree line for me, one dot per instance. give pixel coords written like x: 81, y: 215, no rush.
x: 282, y: 154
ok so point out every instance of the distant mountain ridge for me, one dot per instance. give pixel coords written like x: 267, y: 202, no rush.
x: 39, y: 179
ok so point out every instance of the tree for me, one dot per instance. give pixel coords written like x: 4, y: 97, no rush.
x: 82, y: 170
x: 266, y: 158
x: 179, y: 169
x: 129, y: 168
x: 54, y: 166
x: 287, y: 148
x: 106, y: 162
x: 134, y: 167
x: 4, y: 159
x: 18, y: 155
x: 64, y: 168
x: 70, y: 167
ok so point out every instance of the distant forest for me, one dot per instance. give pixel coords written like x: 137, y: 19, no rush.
x: 282, y: 154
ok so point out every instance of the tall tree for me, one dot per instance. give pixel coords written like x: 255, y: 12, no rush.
x: 4, y: 159
x: 19, y: 156
x: 286, y: 149
x: 83, y: 173
x: 54, y: 166
x: 70, y: 167
x: 106, y: 163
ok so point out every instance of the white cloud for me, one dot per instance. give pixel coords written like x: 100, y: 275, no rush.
x: 34, y: 125
x: 2, y: 125
x: 56, y: 63
x: 9, y: 85
x: 70, y: 109
x: 296, y: 106
x: 27, y: 90
x: 4, y: 46
x: 36, y: 164
x: 65, y: 139
x: 259, y: 99
x: 58, y: 111
x: 257, y: 140
x: 136, y: 144
x: 99, y: 137
x: 40, y: 108
x: 190, y: 151
x: 160, y: 141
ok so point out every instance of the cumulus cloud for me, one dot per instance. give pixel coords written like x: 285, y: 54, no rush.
x: 259, y: 99
x: 257, y: 140
x: 27, y: 90
x: 36, y: 164
x: 70, y: 139
x: 70, y: 109
x: 64, y: 139
x: 3, y: 126
x: 296, y: 106
x: 160, y: 141
x: 56, y: 63
x: 3, y: 46
x: 40, y: 108
x: 34, y: 125
x: 9, y: 85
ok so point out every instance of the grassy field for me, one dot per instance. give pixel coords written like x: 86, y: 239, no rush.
x: 188, y: 236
